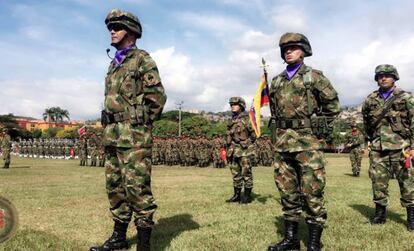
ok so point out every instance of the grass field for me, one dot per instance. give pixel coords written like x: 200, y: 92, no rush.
x: 64, y: 207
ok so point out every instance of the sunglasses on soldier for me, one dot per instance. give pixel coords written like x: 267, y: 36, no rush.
x: 116, y: 27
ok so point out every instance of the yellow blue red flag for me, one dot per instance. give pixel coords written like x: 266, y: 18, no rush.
x: 260, y: 99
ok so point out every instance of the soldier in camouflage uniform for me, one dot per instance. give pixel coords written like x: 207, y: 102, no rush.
x: 6, y: 147
x: 83, y: 151
x: 101, y: 151
x: 218, y: 143
x: 303, y: 105
x: 355, y: 140
x: 134, y: 99
x: 389, y: 123
x: 240, y: 139
x: 93, y: 149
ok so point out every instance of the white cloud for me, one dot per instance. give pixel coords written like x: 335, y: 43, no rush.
x: 38, y: 33
x: 289, y: 18
x: 217, y: 24
x: 353, y: 73
x: 208, y: 95
x: 175, y: 69
x: 81, y: 97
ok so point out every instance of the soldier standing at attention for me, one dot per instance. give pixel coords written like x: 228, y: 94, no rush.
x: 303, y: 104
x: 355, y: 140
x: 240, y: 139
x: 134, y: 99
x: 389, y: 123
x: 6, y: 148
x: 83, y: 151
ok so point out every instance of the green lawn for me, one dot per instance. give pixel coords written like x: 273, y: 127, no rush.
x: 64, y: 207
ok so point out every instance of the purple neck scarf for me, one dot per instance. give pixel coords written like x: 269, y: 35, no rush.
x: 386, y: 93
x: 235, y: 115
x: 121, y: 54
x: 292, y: 69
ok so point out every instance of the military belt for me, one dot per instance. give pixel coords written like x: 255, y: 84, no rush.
x: 111, y: 118
x: 134, y: 114
x: 292, y: 123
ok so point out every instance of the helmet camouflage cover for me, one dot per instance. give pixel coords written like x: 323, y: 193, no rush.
x: 129, y: 20
x: 238, y: 101
x: 386, y: 69
x: 291, y: 39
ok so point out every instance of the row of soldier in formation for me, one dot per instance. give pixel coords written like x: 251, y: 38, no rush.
x: 185, y: 151
x: 201, y: 151
x: 81, y: 149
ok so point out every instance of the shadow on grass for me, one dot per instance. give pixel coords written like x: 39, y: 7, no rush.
x: 167, y: 229
x: 12, y: 167
x: 260, y: 198
x: 350, y: 174
x: 280, y: 229
x: 29, y: 239
x: 368, y: 212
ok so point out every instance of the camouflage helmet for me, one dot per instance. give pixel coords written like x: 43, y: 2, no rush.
x: 290, y: 39
x: 386, y: 69
x: 238, y: 101
x: 129, y: 20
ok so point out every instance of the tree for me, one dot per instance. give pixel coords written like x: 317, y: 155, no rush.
x: 51, y: 132
x: 196, y: 125
x: 219, y: 128
x: 71, y: 133
x: 173, y: 115
x: 15, y: 131
x: 165, y: 127
x: 37, y: 133
x: 55, y: 114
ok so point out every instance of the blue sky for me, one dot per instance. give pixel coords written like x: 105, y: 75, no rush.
x: 53, y: 52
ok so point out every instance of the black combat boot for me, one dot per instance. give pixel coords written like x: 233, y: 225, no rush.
x: 144, y: 237
x: 380, y: 214
x: 236, y: 196
x: 291, y: 240
x: 315, y: 233
x: 410, y: 218
x: 247, y: 196
x: 117, y: 241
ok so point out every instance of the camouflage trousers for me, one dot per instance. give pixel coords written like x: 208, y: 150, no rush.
x: 355, y: 155
x: 385, y: 165
x: 300, y: 178
x: 128, y: 184
x: 241, y: 170
x: 6, y: 158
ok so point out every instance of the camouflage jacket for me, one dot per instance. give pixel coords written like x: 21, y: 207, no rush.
x: 396, y: 129
x: 6, y: 142
x: 289, y: 102
x: 240, y: 137
x: 355, y: 140
x: 135, y: 82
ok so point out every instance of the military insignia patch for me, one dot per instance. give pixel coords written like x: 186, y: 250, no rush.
x: 150, y: 78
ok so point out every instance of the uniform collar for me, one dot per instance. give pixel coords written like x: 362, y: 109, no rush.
x: 300, y: 71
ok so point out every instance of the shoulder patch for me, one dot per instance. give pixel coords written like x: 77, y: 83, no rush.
x: 151, y: 78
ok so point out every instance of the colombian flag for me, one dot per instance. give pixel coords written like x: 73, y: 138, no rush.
x: 260, y: 99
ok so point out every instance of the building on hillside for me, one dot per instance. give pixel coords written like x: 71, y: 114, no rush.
x: 42, y: 125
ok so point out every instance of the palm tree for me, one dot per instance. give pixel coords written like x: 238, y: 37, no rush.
x: 55, y: 114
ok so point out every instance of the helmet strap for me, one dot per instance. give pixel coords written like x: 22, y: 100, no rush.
x: 124, y: 39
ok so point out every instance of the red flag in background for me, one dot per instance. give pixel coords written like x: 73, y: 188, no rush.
x: 82, y: 130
